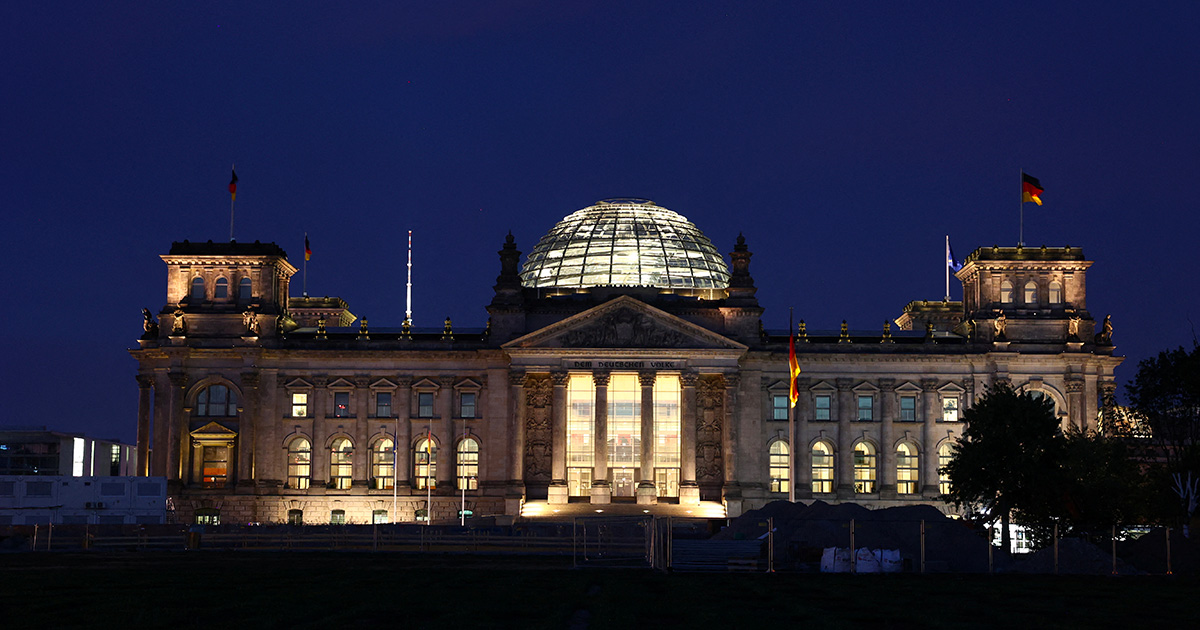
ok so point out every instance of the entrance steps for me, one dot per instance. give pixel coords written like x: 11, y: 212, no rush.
x: 541, y: 510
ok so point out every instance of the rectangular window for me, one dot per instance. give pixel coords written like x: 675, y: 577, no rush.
x: 425, y: 404
x: 866, y: 408
x: 114, y: 461
x: 822, y: 410
x: 379, y: 517
x: 341, y: 404
x: 624, y: 421
x: 779, y: 407
x: 383, y: 404
x: 908, y: 409
x: 581, y: 397
x: 467, y: 405
x: 337, y: 517
x: 950, y: 409
x: 299, y: 405
x: 214, y: 466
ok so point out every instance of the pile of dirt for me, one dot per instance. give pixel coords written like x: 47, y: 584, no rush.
x: 1149, y: 552
x: 803, y: 530
x: 1075, y: 557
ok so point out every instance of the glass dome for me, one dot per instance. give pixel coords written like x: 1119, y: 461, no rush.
x: 625, y: 242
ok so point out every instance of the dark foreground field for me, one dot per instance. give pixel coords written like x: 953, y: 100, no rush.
x: 390, y: 590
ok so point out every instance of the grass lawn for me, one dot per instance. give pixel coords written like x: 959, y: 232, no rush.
x: 368, y: 590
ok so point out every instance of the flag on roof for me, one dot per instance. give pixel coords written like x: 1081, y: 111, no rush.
x: 953, y: 263
x: 307, y: 249
x: 1031, y: 189
x: 233, y: 186
x: 793, y: 367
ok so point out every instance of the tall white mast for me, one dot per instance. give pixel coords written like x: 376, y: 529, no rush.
x: 408, y: 288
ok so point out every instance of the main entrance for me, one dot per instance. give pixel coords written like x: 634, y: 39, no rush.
x: 622, y: 483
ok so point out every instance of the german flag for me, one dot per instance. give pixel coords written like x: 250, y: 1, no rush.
x: 307, y: 249
x: 1031, y: 188
x: 233, y: 186
x: 793, y: 367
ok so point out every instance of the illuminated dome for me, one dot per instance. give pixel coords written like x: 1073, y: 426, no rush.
x: 625, y: 242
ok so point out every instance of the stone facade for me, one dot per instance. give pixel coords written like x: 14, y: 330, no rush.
x: 250, y: 407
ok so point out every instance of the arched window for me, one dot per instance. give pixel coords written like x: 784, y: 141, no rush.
x: 906, y: 469
x: 299, y: 466
x: 778, y: 466
x: 468, y: 464
x: 864, y: 468
x: 216, y: 401
x: 822, y: 468
x: 1040, y: 396
x: 221, y: 290
x: 1056, y: 292
x: 945, y: 454
x: 1006, y: 292
x: 198, y: 289
x: 244, y: 289
x: 340, y: 463
x: 1031, y: 293
x: 383, y: 461
x: 424, y: 463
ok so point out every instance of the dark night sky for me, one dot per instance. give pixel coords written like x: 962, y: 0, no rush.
x: 844, y: 142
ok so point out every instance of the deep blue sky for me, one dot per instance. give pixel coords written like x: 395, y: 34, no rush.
x: 843, y: 141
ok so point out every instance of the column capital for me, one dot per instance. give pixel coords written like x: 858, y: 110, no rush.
x: 929, y: 384
x: 250, y: 379
x: 178, y: 379
x: 446, y: 381
x: 516, y: 378
x: 646, y: 378
x: 560, y: 378
x: 404, y: 382
x: 732, y: 380
x: 887, y: 384
x: 689, y: 378
x: 844, y: 384
x: 144, y: 381
x: 600, y: 377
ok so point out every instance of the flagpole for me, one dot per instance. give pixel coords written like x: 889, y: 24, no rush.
x: 948, y: 267
x: 232, y: 198
x: 306, y: 268
x: 791, y: 416
x: 408, y: 286
x: 1021, y: 201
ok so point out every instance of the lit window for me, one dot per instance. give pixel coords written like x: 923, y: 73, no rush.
x: 906, y: 469
x: 778, y: 466
x: 337, y: 517
x: 379, y: 517
x: 295, y: 517
x: 383, y: 404
x: 198, y: 289
x: 383, y: 461
x: 221, y: 290
x: 950, y: 409
x: 216, y: 401
x: 822, y: 468
x: 244, y: 289
x: 779, y: 407
x: 341, y: 464
x: 624, y: 423
x: 1041, y: 396
x: 668, y: 429
x: 1006, y: 292
x: 822, y: 410
x: 1055, y: 293
x: 299, y: 464
x: 467, y: 405
x: 866, y: 408
x: 299, y: 405
x: 908, y: 409
x: 425, y: 404
x: 581, y: 398
x: 864, y: 468
x: 425, y: 464
x: 341, y: 404
x: 468, y: 464
x: 214, y: 466
x: 208, y: 516
x: 1031, y: 293
x: 945, y: 454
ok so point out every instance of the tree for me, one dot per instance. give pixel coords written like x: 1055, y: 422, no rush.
x: 1007, y: 458
x: 1166, y: 392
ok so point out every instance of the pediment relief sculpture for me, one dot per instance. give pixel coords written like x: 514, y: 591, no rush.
x: 624, y: 328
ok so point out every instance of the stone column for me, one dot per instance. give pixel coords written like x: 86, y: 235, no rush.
x: 1075, y: 403
x: 269, y: 466
x: 601, y: 488
x: 928, y: 474
x: 247, y: 420
x: 403, y: 443
x: 361, y: 464
x: 179, y: 442
x: 887, y: 446
x: 447, y: 455
x: 646, y: 493
x: 689, y: 490
x: 145, y: 383
x: 557, y: 492
x: 801, y: 460
x: 1107, y: 398
x: 516, y: 439
x: 730, y: 439
x: 321, y: 410
x: 845, y: 456
x: 160, y: 424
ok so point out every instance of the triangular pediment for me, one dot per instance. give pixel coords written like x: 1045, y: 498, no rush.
x: 340, y: 383
x: 625, y: 323
x: 383, y: 383
x: 213, y: 431
x: 298, y: 383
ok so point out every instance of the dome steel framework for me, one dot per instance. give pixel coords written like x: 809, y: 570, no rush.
x: 625, y: 242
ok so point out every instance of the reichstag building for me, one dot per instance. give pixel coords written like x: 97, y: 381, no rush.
x: 624, y: 369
